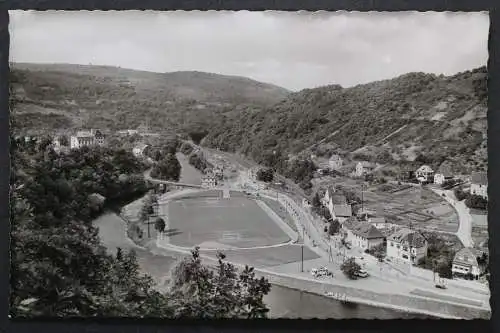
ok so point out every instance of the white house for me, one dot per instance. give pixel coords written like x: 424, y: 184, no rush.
x: 328, y: 195
x: 362, y: 235
x: 479, y: 184
x: 364, y: 168
x: 335, y: 162
x: 86, y: 138
x: 406, y: 246
x: 442, y: 175
x: 465, y: 263
x: 424, y: 174
x: 139, y: 150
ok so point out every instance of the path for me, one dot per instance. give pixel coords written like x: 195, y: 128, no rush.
x: 464, y: 232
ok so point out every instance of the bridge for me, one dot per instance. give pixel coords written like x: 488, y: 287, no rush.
x: 166, y: 182
x: 147, y: 177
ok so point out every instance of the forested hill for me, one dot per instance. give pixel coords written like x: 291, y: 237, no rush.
x: 54, y: 96
x: 416, y: 115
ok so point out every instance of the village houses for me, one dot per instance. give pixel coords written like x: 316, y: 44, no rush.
x: 208, y: 180
x: 86, y: 138
x: 335, y: 162
x: 364, y: 168
x: 465, y: 264
x: 479, y: 184
x: 406, y: 246
x: 443, y: 175
x: 140, y: 150
x: 361, y: 234
x: 424, y: 174
x: 341, y: 212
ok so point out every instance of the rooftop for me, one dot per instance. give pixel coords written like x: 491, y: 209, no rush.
x: 364, y: 230
x: 342, y: 210
x: 480, y: 178
x: 466, y: 256
x: 411, y: 237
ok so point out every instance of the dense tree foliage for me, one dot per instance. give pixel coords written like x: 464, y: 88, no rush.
x: 168, y: 168
x: 351, y: 268
x: 476, y: 202
x: 199, y: 161
x: 58, y: 266
x: 333, y: 227
x: 201, y: 292
x: 265, y: 175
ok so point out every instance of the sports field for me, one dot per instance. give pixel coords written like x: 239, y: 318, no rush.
x: 215, y: 222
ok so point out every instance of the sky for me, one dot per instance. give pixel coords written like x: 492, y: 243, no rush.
x: 294, y: 50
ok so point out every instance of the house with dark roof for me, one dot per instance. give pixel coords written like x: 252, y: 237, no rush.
x: 479, y: 184
x: 335, y: 162
x: 364, y: 168
x: 424, y: 174
x: 406, y: 246
x: 341, y: 212
x: 443, y: 174
x: 361, y: 234
x: 465, y: 264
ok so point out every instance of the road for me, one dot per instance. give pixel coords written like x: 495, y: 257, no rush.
x: 464, y: 232
x: 388, y: 277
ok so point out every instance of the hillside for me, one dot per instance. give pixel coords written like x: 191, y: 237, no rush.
x: 432, y: 118
x: 63, y: 95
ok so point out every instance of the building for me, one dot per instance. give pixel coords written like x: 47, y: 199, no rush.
x: 128, y: 132
x: 406, y: 246
x: 424, y: 174
x: 208, y: 180
x: 365, y: 214
x: 86, y: 138
x: 335, y: 162
x: 341, y: 212
x: 140, y: 150
x: 479, y: 184
x: 219, y: 172
x: 362, y: 235
x: 465, y: 264
x: 406, y: 174
x: 442, y: 175
x: 364, y: 168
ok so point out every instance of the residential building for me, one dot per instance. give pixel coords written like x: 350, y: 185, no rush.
x: 341, y: 212
x: 479, y: 184
x: 406, y: 246
x: 335, y: 162
x: 362, y: 235
x: 424, y: 174
x: 86, y: 138
x: 443, y: 174
x: 364, y: 168
x: 140, y: 150
x: 328, y: 195
x: 208, y: 180
x: 465, y: 264
x: 364, y: 214
x: 377, y: 221
x: 129, y: 132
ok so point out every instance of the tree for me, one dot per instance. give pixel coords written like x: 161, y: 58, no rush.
x: 316, y: 201
x: 351, y: 268
x: 160, y: 224
x: 265, y: 175
x: 200, y: 292
x: 477, y: 202
x: 169, y: 168
x: 334, y: 227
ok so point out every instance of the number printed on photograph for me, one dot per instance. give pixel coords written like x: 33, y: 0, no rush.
x: 249, y: 164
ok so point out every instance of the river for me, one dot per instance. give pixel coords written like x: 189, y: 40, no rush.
x: 283, y: 302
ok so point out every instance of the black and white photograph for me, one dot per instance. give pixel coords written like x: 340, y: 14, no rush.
x: 239, y: 164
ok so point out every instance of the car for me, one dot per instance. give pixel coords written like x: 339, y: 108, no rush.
x: 348, y: 245
x: 441, y: 286
x: 362, y: 274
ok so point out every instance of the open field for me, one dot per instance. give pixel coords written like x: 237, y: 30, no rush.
x: 405, y: 204
x: 280, y: 211
x: 210, y: 221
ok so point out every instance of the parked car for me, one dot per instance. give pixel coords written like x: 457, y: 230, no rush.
x: 348, y: 245
x: 362, y: 274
